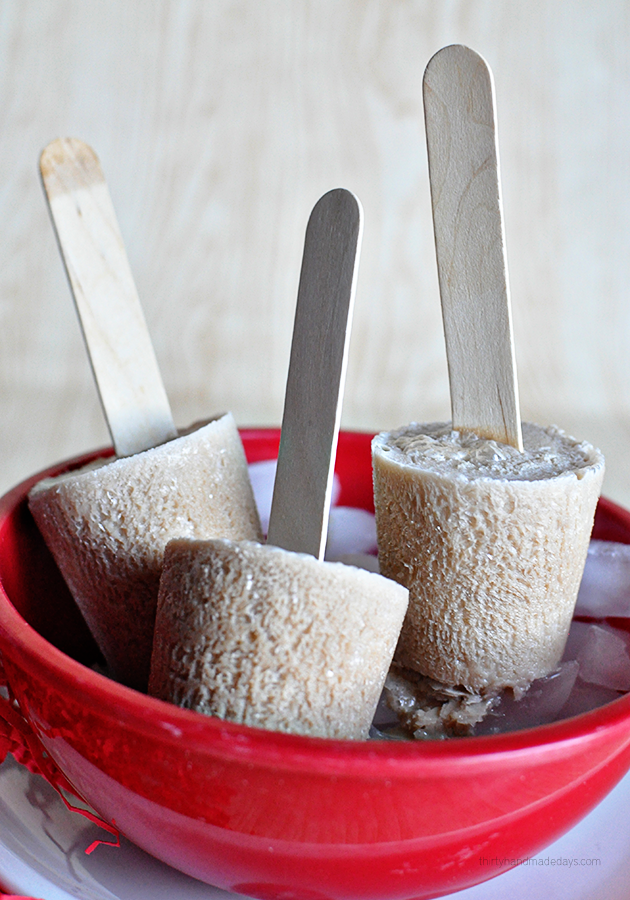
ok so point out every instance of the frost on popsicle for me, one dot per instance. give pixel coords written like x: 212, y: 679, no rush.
x: 272, y: 638
x: 107, y: 527
x: 484, y: 518
x: 272, y: 635
x: 491, y: 543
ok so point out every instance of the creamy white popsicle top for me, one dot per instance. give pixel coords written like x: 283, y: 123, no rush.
x: 463, y: 455
x: 491, y: 543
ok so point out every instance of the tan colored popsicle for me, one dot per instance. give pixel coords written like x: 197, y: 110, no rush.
x: 107, y: 526
x: 490, y: 541
x: 489, y: 534
x: 272, y: 636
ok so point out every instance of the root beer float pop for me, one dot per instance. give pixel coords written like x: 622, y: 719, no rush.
x: 107, y: 525
x: 271, y: 635
x: 487, y: 522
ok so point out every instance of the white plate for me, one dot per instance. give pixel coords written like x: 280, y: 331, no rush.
x: 42, y: 853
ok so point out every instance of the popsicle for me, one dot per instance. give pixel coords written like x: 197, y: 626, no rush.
x: 272, y: 635
x: 107, y: 525
x: 487, y: 522
x: 490, y: 541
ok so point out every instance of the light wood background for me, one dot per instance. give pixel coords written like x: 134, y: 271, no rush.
x: 219, y: 123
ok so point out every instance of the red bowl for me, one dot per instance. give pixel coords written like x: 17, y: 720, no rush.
x: 274, y: 815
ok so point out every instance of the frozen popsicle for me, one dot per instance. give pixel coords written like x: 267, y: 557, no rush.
x: 271, y: 635
x: 491, y: 543
x: 273, y: 638
x: 487, y: 522
x: 107, y: 525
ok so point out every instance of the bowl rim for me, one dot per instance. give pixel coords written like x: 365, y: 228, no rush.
x: 21, y: 645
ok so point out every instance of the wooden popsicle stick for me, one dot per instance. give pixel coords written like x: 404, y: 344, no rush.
x: 317, y: 368
x: 121, y: 354
x: 469, y: 238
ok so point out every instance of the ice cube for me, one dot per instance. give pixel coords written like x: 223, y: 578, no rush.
x: 602, y: 652
x: 585, y: 697
x: 605, y: 587
x: 539, y: 705
x: 350, y: 531
x: 384, y: 715
x: 361, y: 561
x: 262, y: 476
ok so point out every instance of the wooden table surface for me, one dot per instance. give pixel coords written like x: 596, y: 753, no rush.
x: 220, y: 124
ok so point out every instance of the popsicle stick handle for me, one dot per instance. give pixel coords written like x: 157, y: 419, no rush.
x: 317, y: 369
x: 115, y: 332
x: 469, y: 238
